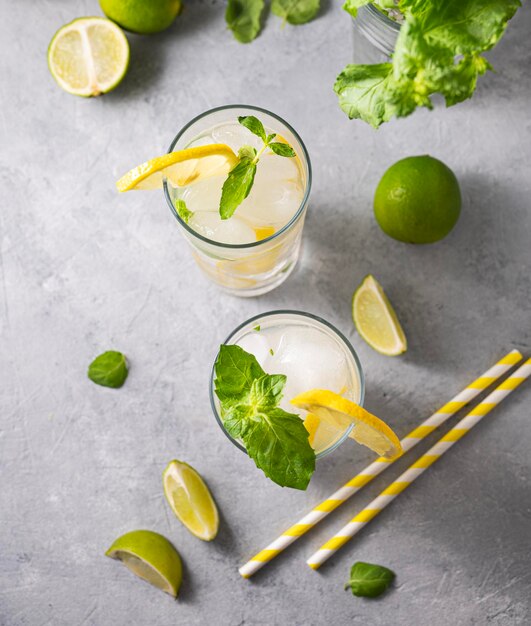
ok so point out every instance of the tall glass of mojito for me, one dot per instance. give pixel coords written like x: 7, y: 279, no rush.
x: 299, y: 352
x: 246, y: 244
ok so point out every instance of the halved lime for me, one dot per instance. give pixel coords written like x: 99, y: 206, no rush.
x: 191, y: 500
x: 376, y: 320
x: 151, y: 557
x: 88, y: 56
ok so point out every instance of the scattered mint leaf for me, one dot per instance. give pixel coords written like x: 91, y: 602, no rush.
x: 243, y: 17
x: 439, y: 50
x: 277, y: 441
x: 295, y: 11
x: 257, y: 328
x: 368, y: 580
x: 282, y: 149
x: 183, y: 211
x: 109, y: 369
x: 241, y: 178
x: 253, y: 124
x: 237, y: 186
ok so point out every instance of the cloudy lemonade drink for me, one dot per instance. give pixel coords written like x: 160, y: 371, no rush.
x: 255, y: 249
x: 312, y: 354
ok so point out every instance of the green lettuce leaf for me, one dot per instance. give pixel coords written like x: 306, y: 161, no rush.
x: 295, y: 11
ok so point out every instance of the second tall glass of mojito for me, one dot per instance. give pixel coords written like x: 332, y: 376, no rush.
x: 257, y: 248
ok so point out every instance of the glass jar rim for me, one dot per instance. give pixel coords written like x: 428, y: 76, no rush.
x: 311, y: 316
x: 296, y: 215
x: 380, y: 15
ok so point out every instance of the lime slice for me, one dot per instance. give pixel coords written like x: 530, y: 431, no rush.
x: 88, y: 56
x: 376, y: 320
x: 341, y: 413
x: 151, y: 557
x: 190, y: 500
x: 182, y: 167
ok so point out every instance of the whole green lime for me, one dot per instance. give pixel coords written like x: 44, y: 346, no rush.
x: 417, y: 200
x: 142, y: 16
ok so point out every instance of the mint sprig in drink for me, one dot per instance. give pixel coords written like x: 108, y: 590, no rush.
x: 245, y: 228
x: 263, y: 364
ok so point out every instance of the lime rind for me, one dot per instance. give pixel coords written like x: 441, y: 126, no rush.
x: 149, y: 556
x: 93, y: 88
x: 370, y: 284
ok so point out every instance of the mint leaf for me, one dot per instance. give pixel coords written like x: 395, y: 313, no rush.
x: 438, y: 50
x: 282, y: 149
x: 108, y: 369
x: 241, y: 178
x: 368, y: 580
x: 266, y: 392
x: 183, y: 211
x: 243, y: 17
x: 295, y: 11
x: 277, y: 441
x: 237, y: 186
x: 235, y: 370
x: 363, y: 92
x: 253, y: 124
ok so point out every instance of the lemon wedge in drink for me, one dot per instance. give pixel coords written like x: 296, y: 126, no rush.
x: 376, y: 320
x: 191, y: 500
x: 181, y: 168
x: 340, y: 413
x: 88, y: 56
x: 311, y: 423
x: 151, y: 557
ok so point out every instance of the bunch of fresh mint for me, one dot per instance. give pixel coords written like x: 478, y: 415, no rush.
x: 244, y: 17
x: 277, y: 441
x: 439, y: 50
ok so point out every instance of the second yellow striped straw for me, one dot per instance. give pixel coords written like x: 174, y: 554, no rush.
x: 419, y: 467
x: 378, y: 466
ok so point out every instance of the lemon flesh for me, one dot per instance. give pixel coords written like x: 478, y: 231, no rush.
x: 181, y: 168
x: 376, y: 320
x: 311, y: 423
x: 149, y: 556
x: 341, y: 413
x: 88, y: 56
x: 191, y: 500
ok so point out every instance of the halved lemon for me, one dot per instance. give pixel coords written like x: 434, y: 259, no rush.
x: 88, y: 56
x: 151, y: 557
x: 182, y: 167
x: 376, y: 320
x: 191, y: 500
x: 340, y: 413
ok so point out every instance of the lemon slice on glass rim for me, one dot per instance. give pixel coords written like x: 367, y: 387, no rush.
x: 341, y: 413
x: 181, y: 168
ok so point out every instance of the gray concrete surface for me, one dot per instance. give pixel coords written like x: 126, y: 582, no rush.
x: 84, y: 270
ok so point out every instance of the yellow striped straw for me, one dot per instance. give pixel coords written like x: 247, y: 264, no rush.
x: 420, y: 466
x: 377, y: 467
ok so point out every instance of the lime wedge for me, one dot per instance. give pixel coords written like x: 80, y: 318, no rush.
x: 88, y: 56
x: 190, y: 500
x: 376, y: 320
x: 151, y: 557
